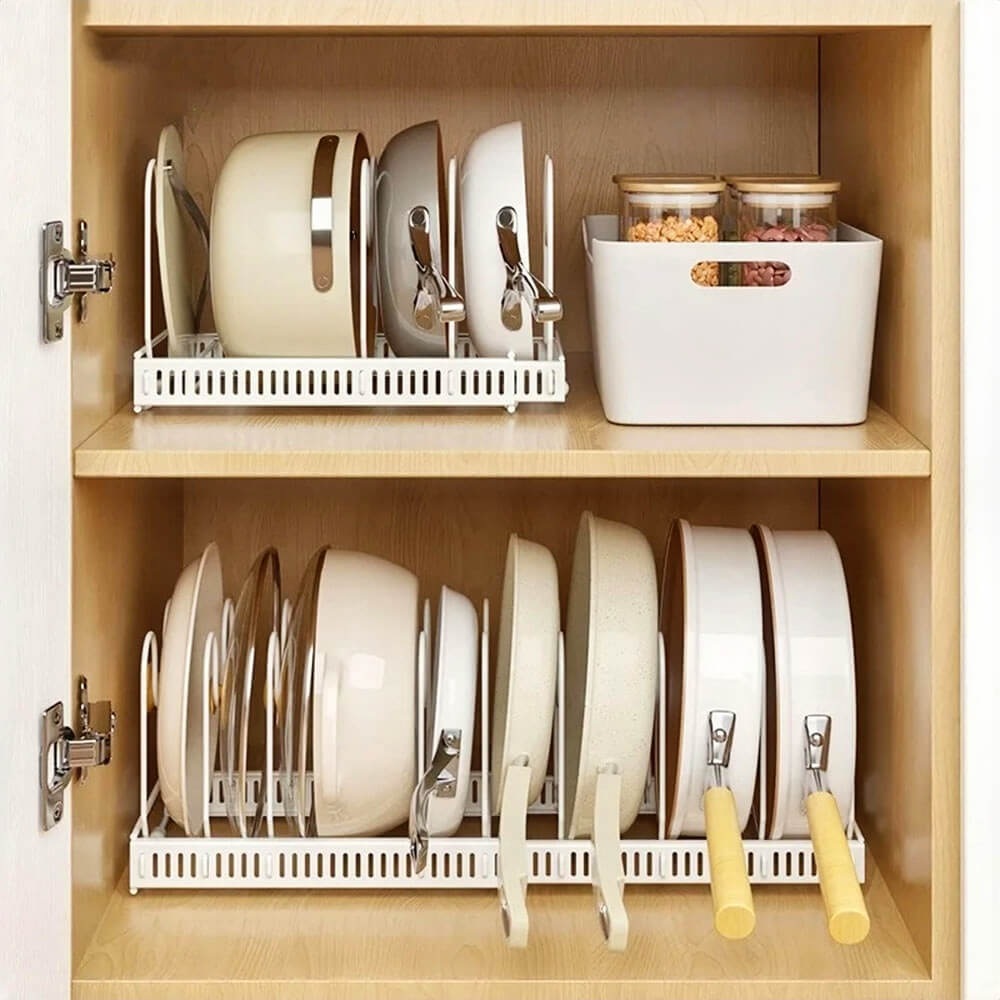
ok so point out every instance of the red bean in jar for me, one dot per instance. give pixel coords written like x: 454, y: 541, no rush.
x: 789, y: 211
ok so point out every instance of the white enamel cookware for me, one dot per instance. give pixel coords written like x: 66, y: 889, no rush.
x: 498, y: 279
x: 195, y: 613
x: 364, y: 695
x: 812, y: 712
x: 415, y: 296
x: 181, y: 308
x: 611, y: 681
x: 286, y: 246
x: 523, y: 709
x: 438, y: 802
x: 711, y: 618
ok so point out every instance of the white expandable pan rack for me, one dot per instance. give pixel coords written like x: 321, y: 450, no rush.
x: 209, y: 378
x: 159, y: 859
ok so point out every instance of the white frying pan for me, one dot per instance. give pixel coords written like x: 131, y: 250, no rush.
x: 611, y: 678
x: 711, y: 617
x: 438, y: 802
x: 523, y: 707
x: 812, y: 712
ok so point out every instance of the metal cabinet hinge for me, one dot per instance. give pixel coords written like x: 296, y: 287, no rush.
x: 63, y: 751
x: 63, y: 277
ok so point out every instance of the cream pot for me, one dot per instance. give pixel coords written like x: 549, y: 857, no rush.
x: 286, y: 246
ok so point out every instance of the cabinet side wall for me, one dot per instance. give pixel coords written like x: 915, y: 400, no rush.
x: 875, y: 137
x: 126, y: 556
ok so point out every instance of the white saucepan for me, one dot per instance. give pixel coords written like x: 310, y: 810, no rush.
x: 286, y: 246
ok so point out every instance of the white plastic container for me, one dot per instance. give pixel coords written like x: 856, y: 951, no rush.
x: 668, y: 351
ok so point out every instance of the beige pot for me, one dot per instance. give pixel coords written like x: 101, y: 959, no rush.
x: 286, y: 247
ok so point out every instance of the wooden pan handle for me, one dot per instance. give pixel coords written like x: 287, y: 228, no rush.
x: 731, y: 898
x: 846, y: 913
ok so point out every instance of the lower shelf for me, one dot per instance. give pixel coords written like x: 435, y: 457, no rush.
x: 373, y: 945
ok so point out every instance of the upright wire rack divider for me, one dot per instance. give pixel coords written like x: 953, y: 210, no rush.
x: 206, y: 377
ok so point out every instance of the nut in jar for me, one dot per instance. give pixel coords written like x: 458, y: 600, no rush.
x: 656, y: 208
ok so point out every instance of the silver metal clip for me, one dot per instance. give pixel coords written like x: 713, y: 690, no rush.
x: 440, y: 780
x: 721, y: 725
x: 436, y: 298
x: 521, y: 283
x: 817, y: 746
x: 63, y: 277
x: 63, y: 752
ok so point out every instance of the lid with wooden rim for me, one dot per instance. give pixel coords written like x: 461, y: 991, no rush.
x: 788, y: 185
x: 669, y: 183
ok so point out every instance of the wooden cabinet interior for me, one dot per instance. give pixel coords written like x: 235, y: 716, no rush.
x: 876, y: 107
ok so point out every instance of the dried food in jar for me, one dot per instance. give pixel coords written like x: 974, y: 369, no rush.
x: 672, y: 209
x: 784, y: 211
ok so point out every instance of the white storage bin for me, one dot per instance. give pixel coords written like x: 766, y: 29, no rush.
x: 669, y: 351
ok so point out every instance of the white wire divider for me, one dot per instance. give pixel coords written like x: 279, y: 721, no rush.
x: 207, y: 377
x: 162, y: 857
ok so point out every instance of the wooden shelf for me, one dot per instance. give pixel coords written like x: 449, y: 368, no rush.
x: 390, y: 946
x: 399, y: 16
x: 538, y: 441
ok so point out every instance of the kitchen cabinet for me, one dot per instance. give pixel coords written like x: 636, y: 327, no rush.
x: 109, y: 505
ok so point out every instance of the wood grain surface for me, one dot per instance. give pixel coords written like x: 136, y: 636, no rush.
x: 571, y: 439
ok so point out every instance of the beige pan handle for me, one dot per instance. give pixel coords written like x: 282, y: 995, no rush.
x: 846, y: 913
x: 731, y: 899
x: 513, y: 851
x: 607, y: 876
x: 734, y: 913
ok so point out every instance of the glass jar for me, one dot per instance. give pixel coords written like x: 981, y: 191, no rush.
x: 671, y: 209
x: 731, y: 196
x: 785, y: 211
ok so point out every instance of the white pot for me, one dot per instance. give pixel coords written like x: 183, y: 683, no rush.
x: 285, y: 246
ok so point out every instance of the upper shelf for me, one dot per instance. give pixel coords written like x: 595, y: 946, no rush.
x: 538, y: 441
x: 404, y: 16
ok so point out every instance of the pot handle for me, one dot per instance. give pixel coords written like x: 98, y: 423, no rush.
x: 727, y: 867
x: 521, y: 283
x: 731, y: 898
x: 513, y: 854
x: 846, y: 913
x: 329, y: 785
x: 608, y: 874
x: 436, y: 299
x: 321, y: 213
x: 441, y: 780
